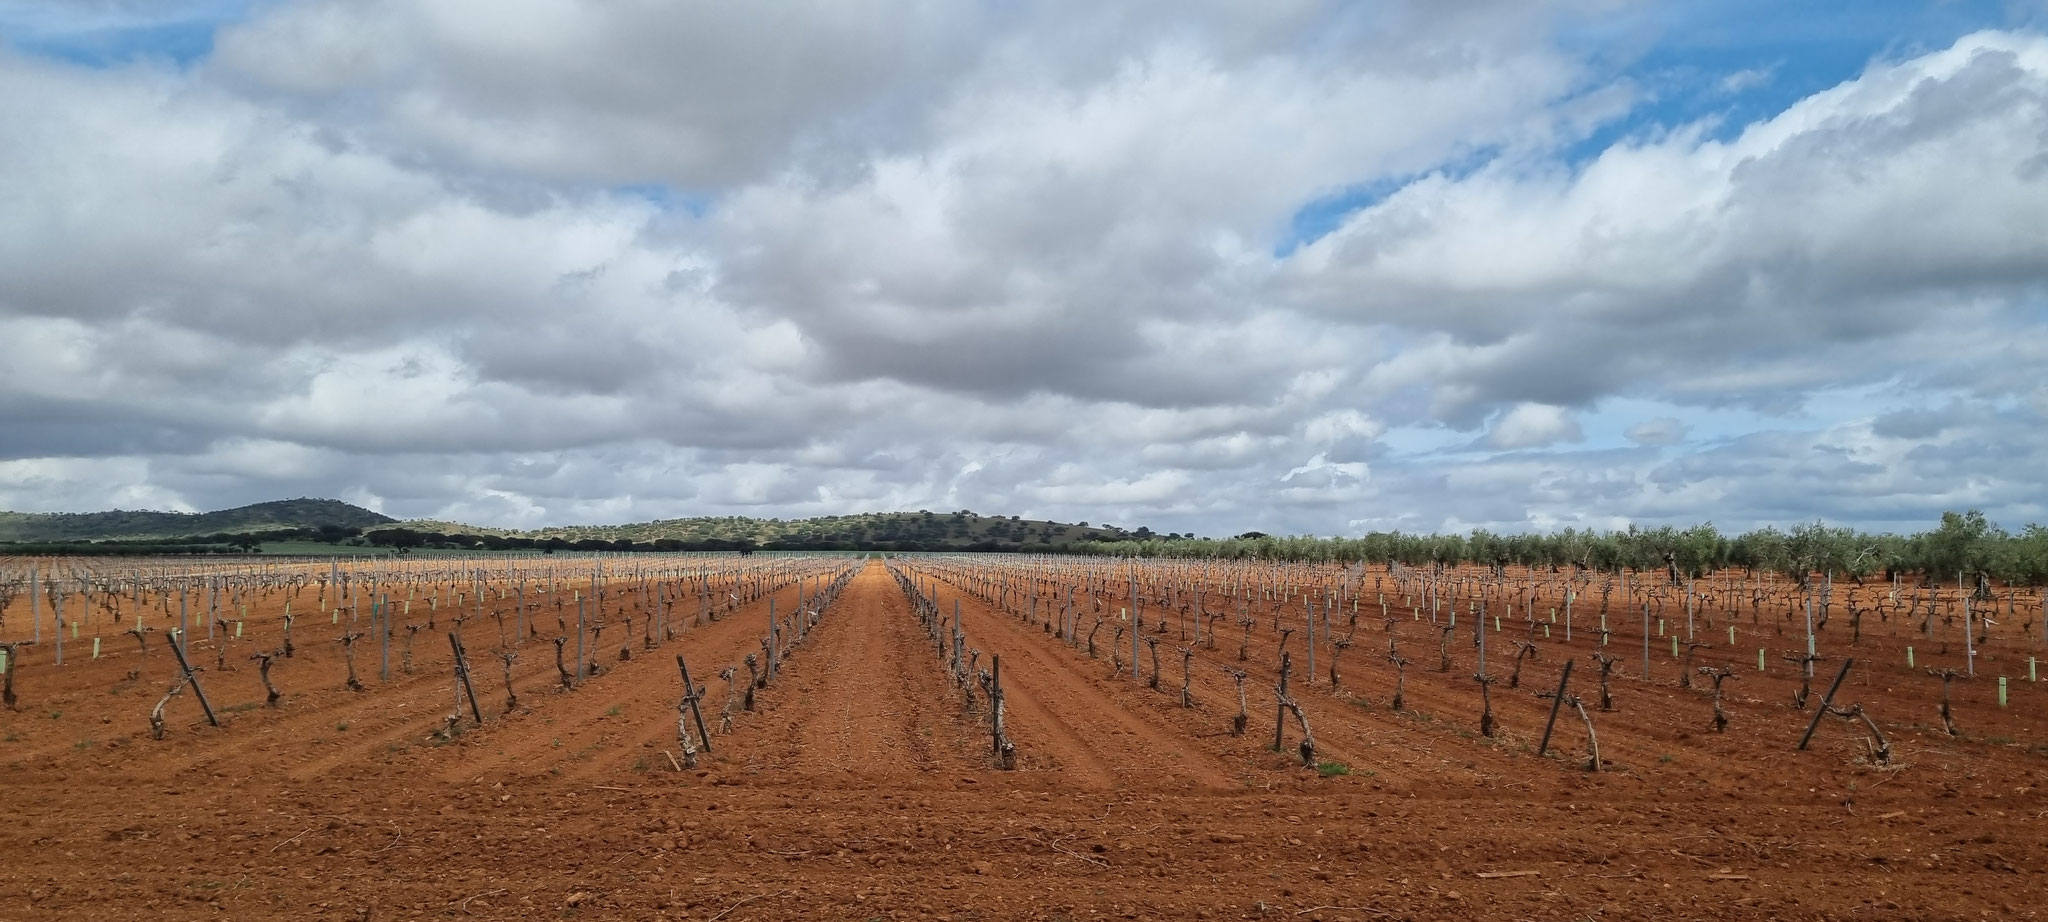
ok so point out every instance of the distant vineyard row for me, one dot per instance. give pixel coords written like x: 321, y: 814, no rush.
x: 1964, y: 546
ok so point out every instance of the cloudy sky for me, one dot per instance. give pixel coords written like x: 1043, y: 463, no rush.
x: 1201, y: 265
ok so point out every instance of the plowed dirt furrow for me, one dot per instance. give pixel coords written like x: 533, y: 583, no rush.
x: 861, y: 703
x: 605, y: 719
x: 331, y: 728
x: 1116, y: 725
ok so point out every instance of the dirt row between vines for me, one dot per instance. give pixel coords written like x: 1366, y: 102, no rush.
x: 858, y: 788
x: 1658, y: 730
x: 92, y: 713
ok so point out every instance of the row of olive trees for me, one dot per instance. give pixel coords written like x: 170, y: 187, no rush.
x: 1963, y: 546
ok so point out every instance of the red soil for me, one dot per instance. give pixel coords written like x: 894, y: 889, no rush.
x: 859, y: 789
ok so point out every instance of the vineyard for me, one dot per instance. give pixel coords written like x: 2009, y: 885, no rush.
x: 1009, y: 736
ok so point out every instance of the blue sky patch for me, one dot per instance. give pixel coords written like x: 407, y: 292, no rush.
x: 1726, y: 65
x: 103, y: 35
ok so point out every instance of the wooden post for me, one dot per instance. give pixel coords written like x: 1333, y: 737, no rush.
x: 462, y: 674
x: 190, y: 676
x: 57, y: 615
x: 690, y: 697
x: 1556, y: 702
x: 1480, y: 639
x: 1969, y: 644
x: 1810, y: 648
x: 1280, y: 718
x: 1825, y: 700
x: 1646, y: 641
x: 960, y: 665
x: 1310, y: 606
x: 1137, y: 625
x: 10, y: 660
x: 1005, y: 753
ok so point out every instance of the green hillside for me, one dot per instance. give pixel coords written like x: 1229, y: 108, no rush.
x: 120, y: 524
x: 886, y: 530
x: 326, y: 520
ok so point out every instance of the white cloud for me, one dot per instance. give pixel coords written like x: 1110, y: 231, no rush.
x: 556, y: 261
x: 1155, y: 487
x: 1533, y: 425
x: 1714, y: 269
x: 1745, y: 80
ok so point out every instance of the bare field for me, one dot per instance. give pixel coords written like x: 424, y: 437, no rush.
x: 859, y: 786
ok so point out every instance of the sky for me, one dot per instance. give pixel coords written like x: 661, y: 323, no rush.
x: 1199, y: 265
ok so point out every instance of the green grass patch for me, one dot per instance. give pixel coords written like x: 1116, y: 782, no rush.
x: 1332, y: 769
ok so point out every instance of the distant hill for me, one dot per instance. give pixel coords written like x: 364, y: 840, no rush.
x: 119, y: 524
x: 921, y: 530
x: 882, y: 530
